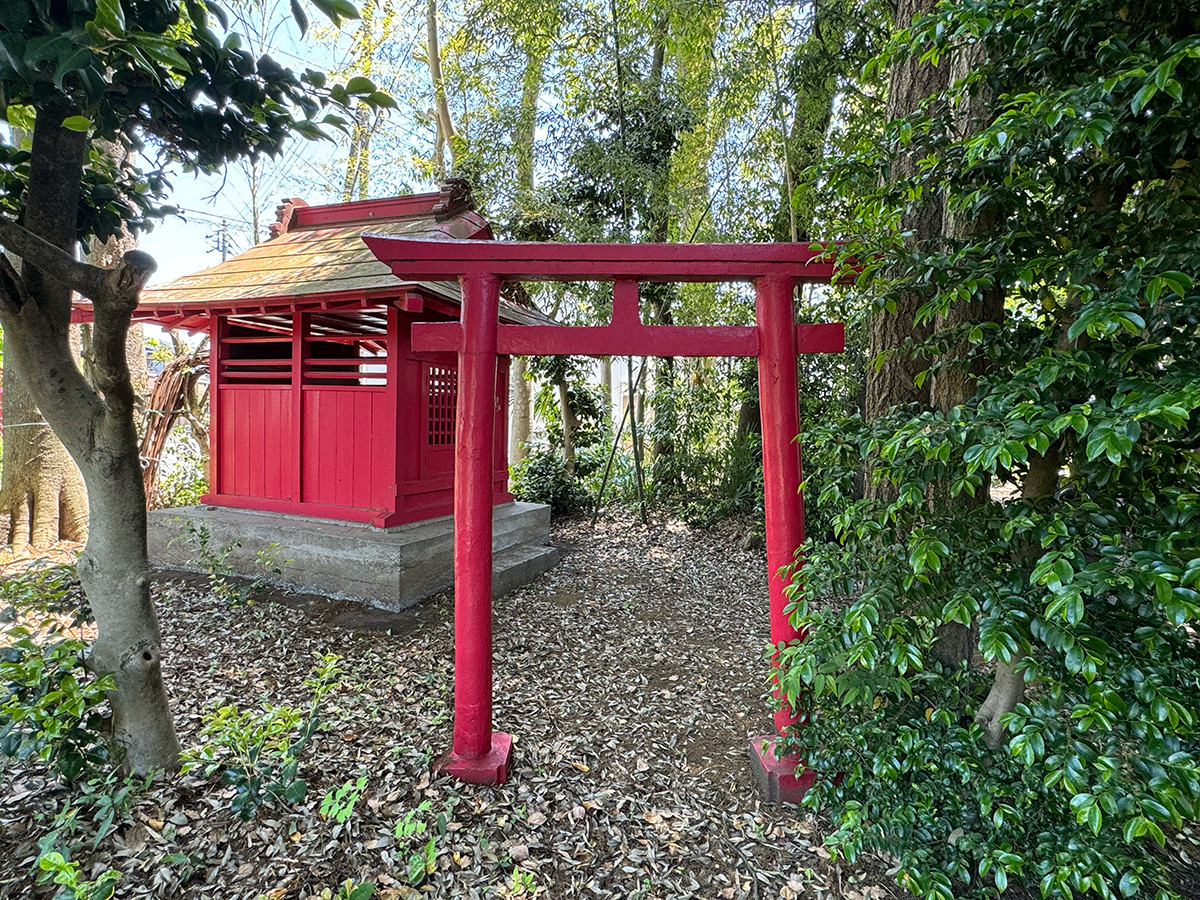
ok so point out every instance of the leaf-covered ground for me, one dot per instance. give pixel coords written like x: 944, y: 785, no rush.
x: 631, y: 676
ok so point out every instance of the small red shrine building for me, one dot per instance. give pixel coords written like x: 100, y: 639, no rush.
x: 319, y: 406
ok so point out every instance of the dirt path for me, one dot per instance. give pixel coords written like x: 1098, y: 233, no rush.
x: 631, y: 676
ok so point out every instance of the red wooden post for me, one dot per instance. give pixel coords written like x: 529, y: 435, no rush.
x: 478, y: 755
x: 778, y: 392
x: 776, y: 339
x: 300, y: 351
x: 216, y: 330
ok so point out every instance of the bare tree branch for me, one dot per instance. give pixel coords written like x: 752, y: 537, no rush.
x: 114, y: 305
x: 13, y: 294
x: 51, y: 260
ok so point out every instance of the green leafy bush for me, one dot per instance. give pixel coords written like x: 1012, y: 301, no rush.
x: 46, y: 587
x: 542, y: 478
x: 52, y: 707
x: 258, y: 752
x: 183, y: 478
x: 1081, y: 189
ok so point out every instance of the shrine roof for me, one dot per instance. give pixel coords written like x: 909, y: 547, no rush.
x: 316, y: 258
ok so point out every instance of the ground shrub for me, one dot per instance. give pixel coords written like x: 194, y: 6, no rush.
x: 1081, y: 192
x: 52, y: 708
x: 258, y: 752
x: 541, y: 477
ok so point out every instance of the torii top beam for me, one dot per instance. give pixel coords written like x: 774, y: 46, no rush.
x: 624, y: 265
x: 535, y: 261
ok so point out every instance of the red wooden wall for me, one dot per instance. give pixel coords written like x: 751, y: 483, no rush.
x: 332, y: 415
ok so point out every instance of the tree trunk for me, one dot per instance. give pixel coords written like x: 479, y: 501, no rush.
x: 95, y: 425
x: 953, y: 384
x: 518, y: 439
x: 606, y: 387
x: 570, y: 422
x: 446, y: 132
x: 893, y: 368
x: 524, y: 146
x: 107, y: 256
x: 42, y: 496
x: 525, y: 132
x: 662, y: 295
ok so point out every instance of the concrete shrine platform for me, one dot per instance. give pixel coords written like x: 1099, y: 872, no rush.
x: 388, y: 568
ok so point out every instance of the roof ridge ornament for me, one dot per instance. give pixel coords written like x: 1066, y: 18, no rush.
x: 285, y: 212
x: 454, y: 198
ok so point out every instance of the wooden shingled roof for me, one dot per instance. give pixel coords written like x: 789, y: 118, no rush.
x: 316, y: 260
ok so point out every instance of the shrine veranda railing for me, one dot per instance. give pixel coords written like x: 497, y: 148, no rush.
x: 478, y: 754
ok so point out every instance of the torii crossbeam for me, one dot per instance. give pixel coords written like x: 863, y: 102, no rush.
x: 478, y: 753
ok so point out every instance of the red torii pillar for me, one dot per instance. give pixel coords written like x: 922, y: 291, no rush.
x: 479, y: 754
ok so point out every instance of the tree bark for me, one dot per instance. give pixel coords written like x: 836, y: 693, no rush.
x: 525, y: 132
x: 42, y: 495
x: 892, y: 372
x: 446, y: 132
x: 953, y: 383
x: 570, y: 422
x: 518, y: 440
x: 96, y: 425
x: 606, y: 387
x: 524, y: 146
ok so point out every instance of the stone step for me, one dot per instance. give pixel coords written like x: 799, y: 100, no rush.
x: 519, y: 565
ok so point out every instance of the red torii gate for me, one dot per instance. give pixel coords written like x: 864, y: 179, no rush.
x: 478, y: 754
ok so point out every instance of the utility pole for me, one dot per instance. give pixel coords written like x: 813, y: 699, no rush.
x: 220, y: 240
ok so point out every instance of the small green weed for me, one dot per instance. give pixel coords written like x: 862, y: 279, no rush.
x: 258, y: 752
x: 522, y: 884
x: 338, y: 804
x: 409, y: 832
x: 410, y: 826
x: 214, y: 561
x: 74, y: 887
x: 350, y: 891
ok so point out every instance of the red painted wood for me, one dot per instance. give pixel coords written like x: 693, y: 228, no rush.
x: 216, y: 328
x: 301, y: 323
x: 411, y: 258
x: 254, y: 458
x: 629, y: 339
x: 824, y: 337
x: 778, y: 391
x: 347, y: 446
x: 473, y: 520
x: 389, y: 465
x: 625, y: 303
x: 775, y: 339
x: 357, y: 210
x: 624, y: 338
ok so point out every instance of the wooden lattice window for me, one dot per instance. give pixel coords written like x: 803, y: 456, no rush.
x: 443, y: 399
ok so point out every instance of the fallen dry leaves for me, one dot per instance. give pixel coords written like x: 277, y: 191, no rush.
x: 631, y: 677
